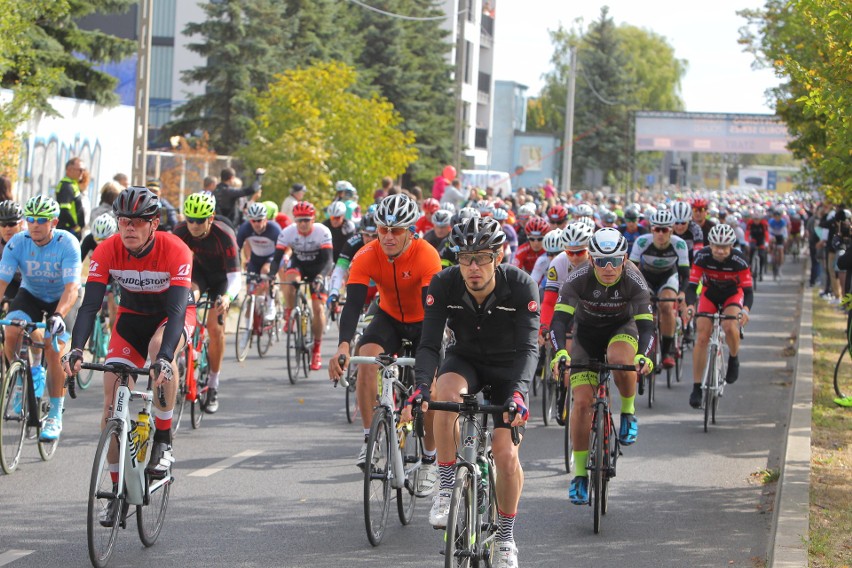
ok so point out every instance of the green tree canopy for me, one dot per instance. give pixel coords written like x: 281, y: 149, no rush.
x: 312, y: 128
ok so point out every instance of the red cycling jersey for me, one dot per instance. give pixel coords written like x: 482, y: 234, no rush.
x: 525, y: 257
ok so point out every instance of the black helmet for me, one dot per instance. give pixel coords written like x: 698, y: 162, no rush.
x: 11, y: 211
x: 137, y: 202
x: 477, y: 234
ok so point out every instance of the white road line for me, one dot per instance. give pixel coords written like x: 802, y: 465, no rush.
x: 224, y: 464
x: 11, y: 555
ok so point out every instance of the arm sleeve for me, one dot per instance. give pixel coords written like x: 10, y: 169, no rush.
x: 275, y: 265
x: 356, y: 295
x: 84, y: 323
x: 748, y: 297
x: 646, y: 336
x: 563, y: 316
x: 435, y: 319
x: 177, y: 300
x: 547, y: 306
x: 526, y: 335
x: 338, y: 275
x: 325, y: 260
x: 682, y: 276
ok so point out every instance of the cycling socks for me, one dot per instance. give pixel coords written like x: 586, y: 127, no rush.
x: 666, y: 345
x: 213, y: 380
x: 627, y: 404
x: 163, y: 424
x: 446, y: 471
x: 56, y: 404
x: 505, y: 527
x: 580, y: 457
x: 429, y: 456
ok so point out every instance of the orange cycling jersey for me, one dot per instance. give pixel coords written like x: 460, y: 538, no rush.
x: 400, y: 282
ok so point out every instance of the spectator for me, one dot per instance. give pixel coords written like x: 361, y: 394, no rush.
x: 168, y: 214
x: 227, y: 194
x: 814, y: 244
x: 297, y: 194
x: 72, y: 215
x: 6, y: 189
x: 121, y: 179
x: 109, y: 192
x: 209, y: 184
x: 452, y: 193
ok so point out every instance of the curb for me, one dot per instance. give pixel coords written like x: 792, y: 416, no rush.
x: 789, y: 537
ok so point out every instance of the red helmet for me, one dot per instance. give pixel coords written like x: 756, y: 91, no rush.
x: 536, y: 227
x: 283, y: 220
x: 431, y: 205
x: 699, y: 204
x: 557, y: 214
x: 304, y: 209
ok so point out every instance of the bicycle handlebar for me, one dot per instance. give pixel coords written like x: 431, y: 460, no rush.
x: 598, y: 366
x: 470, y: 408
x: 384, y: 360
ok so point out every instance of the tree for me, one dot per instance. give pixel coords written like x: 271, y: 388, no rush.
x: 311, y: 128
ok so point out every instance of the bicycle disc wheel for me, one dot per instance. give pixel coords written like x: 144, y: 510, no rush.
x: 569, y: 447
x: 14, y: 420
x: 294, y: 356
x: 843, y: 374
x: 103, y: 498
x: 710, y: 386
x: 597, y: 472
x: 245, y: 320
x: 150, y: 517
x: 461, y: 522
x: 376, y: 477
x: 202, y: 370
x: 409, y: 447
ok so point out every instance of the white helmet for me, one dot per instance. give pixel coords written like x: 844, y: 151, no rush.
x: 662, y: 218
x: 587, y: 221
x: 607, y: 242
x: 336, y: 209
x: 527, y: 209
x: 104, y: 227
x: 682, y: 212
x: 576, y: 234
x: 397, y: 210
x: 722, y: 235
x: 256, y: 211
x: 448, y: 207
x: 552, y: 241
x: 584, y: 210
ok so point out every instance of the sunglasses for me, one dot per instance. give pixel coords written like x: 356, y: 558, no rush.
x: 481, y: 259
x: 305, y: 220
x: 662, y: 229
x: 699, y: 209
x: 9, y: 224
x: 136, y: 222
x: 615, y: 261
x: 259, y: 220
x: 196, y: 220
x: 395, y: 231
x: 681, y: 222
x: 575, y: 252
x: 369, y: 235
x: 535, y: 239
x: 39, y: 220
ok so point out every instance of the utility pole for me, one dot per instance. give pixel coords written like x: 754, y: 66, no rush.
x: 143, y: 74
x: 568, y: 142
x: 459, y: 126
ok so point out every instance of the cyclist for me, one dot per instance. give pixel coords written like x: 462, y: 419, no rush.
x: 699, y: 215
x: 438, y: 235
x: 347, y: 194
x: 257, y: 238
x: 49, y: 261
x: 663, y: 259
x: 448, y: 255
x: 525, y: 212
x: 341, y: 228
x: 527, y: 253
x: 726, y: 282
x: 502, y: 215
x: 156, y: 313
x: 757, y: 231
x: 104, y: 227
x: 610, y: 304
x: 311, y: 259
x: 424, y: 223
x: 557, y: 217
x: 687, y: 229
x: 11, y: 216
x: 631, y: 229
x: 552, y: 244
x: 216, y: 272
x: 339, y: 276
x: 574, y: 243
x: 778, y: 230
x: 493, y: 312
x: 401, y: 267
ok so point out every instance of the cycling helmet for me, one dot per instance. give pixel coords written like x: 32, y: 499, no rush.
x: 500, y: 214
x: 442, y: 218
x: 553, y: 241
x: 271, y: 210
x: 42, y: 206
x: 136, y: 203
x: 584, y: 210
x: 347, y: 188
x: 557, y: 214
x: 11, y: 211
x: 699, y: 204
x: 576, y: 234
x: 257, y: 211
x: 336, y: 209
x: 587, y: 221
x: 464, y: 213
x: 304, y: 209
x: 368, y: 223
x: 104, y: 227
x: 536, y: 227
x: 397, y: 210
x: 607, y: 242
x: 484, y: 207
x: 650, y: 210
x: 477, y: 234
x: 631, y: 214
x: 722, y: 235
x: 448, y: 207
x: 662, y: 218
x: 609, y: 218
x: 431, y: 205
x: 371, y: 210
x: 199, y: 206
x: 682, y: 212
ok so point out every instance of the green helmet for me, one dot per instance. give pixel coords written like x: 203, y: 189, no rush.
x: 199, y: 205
x: 41, y: 206
x: 271, y: 209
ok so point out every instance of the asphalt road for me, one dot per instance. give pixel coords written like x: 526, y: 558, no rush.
x: 290, y: 494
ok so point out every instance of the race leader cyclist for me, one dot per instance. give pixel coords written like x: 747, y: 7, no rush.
x: 492, y: 310
x: 311, y: 259
x: 401, y: 267
x: 727, y: 288
x: 610, y: 303
x: 156, y: 312
x: 49, y: 261
x: 216, y: 272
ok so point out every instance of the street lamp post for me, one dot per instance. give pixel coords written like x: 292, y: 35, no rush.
x: 143, y: 74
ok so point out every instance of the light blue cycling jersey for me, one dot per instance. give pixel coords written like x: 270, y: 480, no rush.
x: 45, y: 269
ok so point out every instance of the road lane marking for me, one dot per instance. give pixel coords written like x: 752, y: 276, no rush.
x: 11, y: 555
x: 224, y: 464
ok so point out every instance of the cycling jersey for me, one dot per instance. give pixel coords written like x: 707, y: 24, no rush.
x: 705, y: 230
x: 87, y: 245
x: 262, y: 245
x: 311, y: 253
x: 694, y: 237
x: 350, y: 249
x: 438, y: 243
x: 558, y: 270
x: 631, y: 237
x: 658, y: 265
x: 215, y: 256
x: 758, y: 232
x: 778, y: 227
x: 45, y: 270
x: 501, y: 333
x: 339, y: 235
x: 525, y: 257
x: 15, y: 284
x: 540, y: 269
x: 423, y: 224
x: 720, y: 279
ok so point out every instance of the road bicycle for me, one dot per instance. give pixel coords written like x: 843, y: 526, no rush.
x: 565, y: 404
x: 472, y: 522
x: 795, y: 244
x: 713, y: 379
x: 604, y: 447
x: 394, y: 451
x: 300, y: 334
x: 98, y: 344
x: 350, y: 380
x: 647, y: 384
x: 252, y: 324
x: 23, y: 413
x: 777, y: 259
x: 109, y: 501
x: 194, y: 369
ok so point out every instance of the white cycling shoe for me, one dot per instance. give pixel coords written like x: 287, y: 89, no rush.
x: 505, y: 555
x: 440, y: 509
x: 427, y: 479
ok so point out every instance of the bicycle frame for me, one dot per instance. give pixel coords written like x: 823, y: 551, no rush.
x: 25, y: 342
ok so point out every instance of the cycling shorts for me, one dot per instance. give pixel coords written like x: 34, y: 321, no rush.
x: 27, y: 307
x: 254, y: 266
x: 501, y: 381
x: 591, y: 343
x: 132, y: 333
x: 385, y: 331
x: 670, y: 282
x: 214, y: 285
x: 779, y: 239
x: 303, y: 275
x: 712, y: 302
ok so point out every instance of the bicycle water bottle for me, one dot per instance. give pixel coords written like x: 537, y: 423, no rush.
x: 141, y: 433
x: 38, y: 380
x: 483, y: 486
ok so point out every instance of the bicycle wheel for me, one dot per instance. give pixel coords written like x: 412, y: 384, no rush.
x: 597, y: 472
x: 709, y: 385
x: 307, y: 323
x: 461, y: 523
x: 377, y: 477
x: 46, y: 449
x: 294, y: 356
x: 97, y: 347
x: 245, y: 322
x: 264, y: 340
x: 14, y: 422
x: 611, y: 445
x: 150, y: 517
x: 569, y: 448
x: 183, y: 388
x: 548, y: 400
x: 352, y: 379
x: 843, y: 374
x: 679, y: 351
x: 202, y: 371
x: 410, y: 448
x: 488, y: 520
x: 719, y: 369
x: 104, y: 497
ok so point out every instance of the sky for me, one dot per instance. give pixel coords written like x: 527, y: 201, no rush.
x: 719, y: 75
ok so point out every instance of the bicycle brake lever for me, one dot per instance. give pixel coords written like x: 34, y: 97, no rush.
x: 71, y: 384
x: 341, y: 359
x: 161, y: 396
x: 516, y: 435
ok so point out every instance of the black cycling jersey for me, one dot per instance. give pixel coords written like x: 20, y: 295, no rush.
x: 339, y: 236
x: 87, y: 245
x: 216, y: 252
x: 347, y: 253
x: 705, y: 230
x: 503, y: 332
